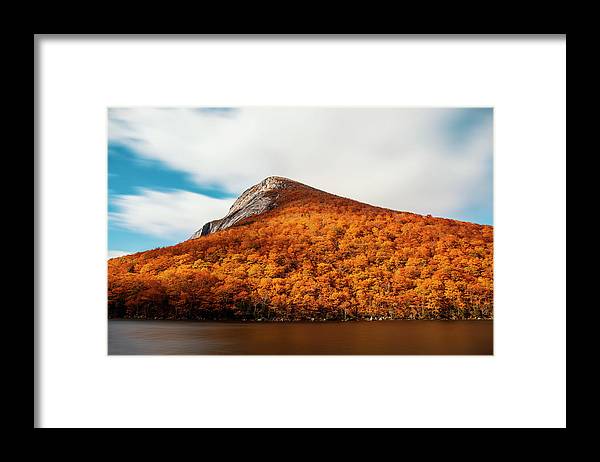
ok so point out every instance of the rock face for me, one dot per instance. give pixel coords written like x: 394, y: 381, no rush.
x: 255, y: 200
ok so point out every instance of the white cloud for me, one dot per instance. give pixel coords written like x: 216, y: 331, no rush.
x: 396, y: 158
x: 117, y: 253
x: 173, y: 214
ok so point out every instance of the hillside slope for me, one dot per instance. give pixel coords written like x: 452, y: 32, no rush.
x: 287, y: 251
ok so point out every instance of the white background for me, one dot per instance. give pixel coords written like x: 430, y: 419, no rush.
x: 523, y: 384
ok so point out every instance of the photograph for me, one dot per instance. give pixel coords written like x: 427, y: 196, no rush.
x: 265, y: 230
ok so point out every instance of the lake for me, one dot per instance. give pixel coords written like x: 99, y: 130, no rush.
x: 134, y: 337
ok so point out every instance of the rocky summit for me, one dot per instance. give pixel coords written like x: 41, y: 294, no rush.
x: 254, y: 201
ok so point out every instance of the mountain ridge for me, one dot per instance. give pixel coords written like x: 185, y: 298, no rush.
x: 261, y: 198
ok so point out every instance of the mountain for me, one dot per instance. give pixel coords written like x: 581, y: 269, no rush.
x: 287, y: 251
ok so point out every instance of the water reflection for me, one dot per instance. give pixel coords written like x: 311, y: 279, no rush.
x: 128, y: 337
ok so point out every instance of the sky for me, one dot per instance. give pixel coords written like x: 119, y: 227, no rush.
x: 170, y: 170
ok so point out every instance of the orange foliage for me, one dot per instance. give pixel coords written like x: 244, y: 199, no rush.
x: 315, y: 256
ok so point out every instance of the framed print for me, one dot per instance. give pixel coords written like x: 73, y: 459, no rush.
x: 289, y: 231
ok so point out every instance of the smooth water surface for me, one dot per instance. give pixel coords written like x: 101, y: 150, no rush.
x: 133, y: 337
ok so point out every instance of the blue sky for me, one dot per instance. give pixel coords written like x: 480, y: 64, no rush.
x: 170, y: 170
x: 129, y: 174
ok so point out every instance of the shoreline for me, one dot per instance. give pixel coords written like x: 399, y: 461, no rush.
x: 289, y: 321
